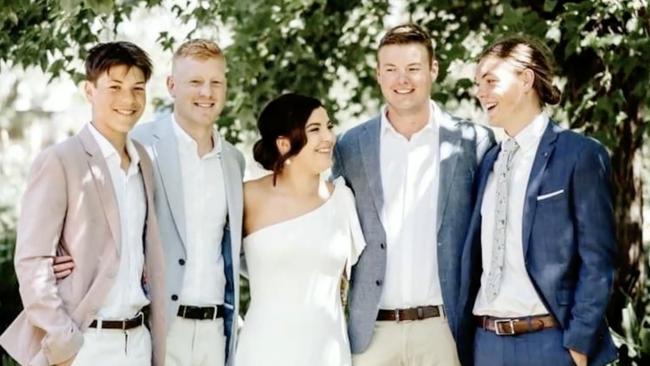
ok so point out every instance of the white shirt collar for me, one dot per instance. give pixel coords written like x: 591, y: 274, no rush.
x: 187, y: 140
x: 530, y: 135
x: 432, y: 124
x: 108, y: 150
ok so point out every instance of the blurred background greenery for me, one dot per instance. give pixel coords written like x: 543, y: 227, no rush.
x: 326, y: 48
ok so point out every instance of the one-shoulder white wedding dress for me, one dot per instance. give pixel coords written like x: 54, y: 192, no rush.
x: 295, y: 317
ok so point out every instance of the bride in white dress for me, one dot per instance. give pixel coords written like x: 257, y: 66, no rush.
x: 302, y: 236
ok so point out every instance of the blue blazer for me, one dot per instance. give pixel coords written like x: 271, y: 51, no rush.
x: 568, y: 239
x: 356, y: 158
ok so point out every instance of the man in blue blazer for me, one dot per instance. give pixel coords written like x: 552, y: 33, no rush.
x: 411, y: 169
x: 538, y: 261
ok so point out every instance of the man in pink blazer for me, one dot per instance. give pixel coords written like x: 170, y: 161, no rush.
x: 90, y: 197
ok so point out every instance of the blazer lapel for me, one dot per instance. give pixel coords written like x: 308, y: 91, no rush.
x: 103, y: 183
x: 449, y: 151
x: 485, y: 168
x: 484, y: 172
x: 544, y: 152
x: 369, y: 147
x: 147, y: 174
x: 234, y: 195
x: 168, y: 161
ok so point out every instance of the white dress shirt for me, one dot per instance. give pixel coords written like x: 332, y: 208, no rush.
x: 517, y: 296
x: 126, y: 298
x: 206, y: 211
x: 409, y: 177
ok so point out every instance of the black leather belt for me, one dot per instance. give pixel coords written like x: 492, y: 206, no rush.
x: 201, y: 312
x: 119, y: 324
x: 419, y: 313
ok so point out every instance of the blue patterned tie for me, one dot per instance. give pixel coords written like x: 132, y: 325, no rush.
x: 502, y: 170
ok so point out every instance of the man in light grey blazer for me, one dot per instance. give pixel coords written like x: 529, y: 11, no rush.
x: 412, y: 170
x: 198, y: 199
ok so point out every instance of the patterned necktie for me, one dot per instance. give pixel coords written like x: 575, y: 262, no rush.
x: 502, y: 170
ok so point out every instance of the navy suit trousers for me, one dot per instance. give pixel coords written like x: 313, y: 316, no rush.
x: 541, y: 348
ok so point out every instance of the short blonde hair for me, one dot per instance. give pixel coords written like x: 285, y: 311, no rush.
x: 199, y: 48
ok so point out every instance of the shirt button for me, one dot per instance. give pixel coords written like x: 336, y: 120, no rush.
x: 181, y: 262
x: 174, y: 297
x: 378, y: 282
x: 382, y: 246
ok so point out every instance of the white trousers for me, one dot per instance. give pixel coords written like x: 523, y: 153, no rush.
x: 427, y: 342
x: 110, y: 347
x: 196, y: 343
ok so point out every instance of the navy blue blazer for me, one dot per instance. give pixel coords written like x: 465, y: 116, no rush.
x: 568, y: 239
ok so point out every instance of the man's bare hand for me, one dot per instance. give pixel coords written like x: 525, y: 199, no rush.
x: 62, y: 266
x: 580, y: 359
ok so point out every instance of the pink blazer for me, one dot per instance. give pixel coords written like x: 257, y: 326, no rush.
x: 69, y: 207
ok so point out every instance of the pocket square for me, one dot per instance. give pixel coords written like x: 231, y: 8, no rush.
x: 549, y: 195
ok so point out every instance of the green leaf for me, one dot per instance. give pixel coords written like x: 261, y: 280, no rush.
x: 100, y: 7
x: 69, y: 6
x: 549, y: 5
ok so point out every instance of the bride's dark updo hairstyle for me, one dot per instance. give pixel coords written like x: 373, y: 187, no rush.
x: 285, y: 116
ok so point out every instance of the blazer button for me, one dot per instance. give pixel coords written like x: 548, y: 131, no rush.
x: 174, y: 297
x: 382, y: 246
x: 181, y: 262
x: 378, y: 282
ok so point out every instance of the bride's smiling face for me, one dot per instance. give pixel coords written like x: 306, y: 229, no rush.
x: 316, y: 155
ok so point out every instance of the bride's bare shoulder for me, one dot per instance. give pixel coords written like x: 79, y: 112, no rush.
x: 254, y: 189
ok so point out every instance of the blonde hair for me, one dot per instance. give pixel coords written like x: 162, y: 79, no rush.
x: 199, y: 48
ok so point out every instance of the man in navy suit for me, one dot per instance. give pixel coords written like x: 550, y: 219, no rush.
x: 538, y: 262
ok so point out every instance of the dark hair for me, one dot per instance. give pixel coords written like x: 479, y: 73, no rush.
x: 103, y: 56
x: 285, y: 116
x: 528, y: 53
x: 407, y: 34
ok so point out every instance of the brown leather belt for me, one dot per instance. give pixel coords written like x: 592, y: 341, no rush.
x: 419, y: 313
x: 514, y: 326
x: 119, y: 324
x: 201, y: 313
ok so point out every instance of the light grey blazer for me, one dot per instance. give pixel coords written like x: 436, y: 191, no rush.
x: 159, y: 139
x: 356, y: 158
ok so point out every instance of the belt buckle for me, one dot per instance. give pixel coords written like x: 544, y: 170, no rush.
x: 510, y: 322
x: 420, y: 311
x: 397, y: 318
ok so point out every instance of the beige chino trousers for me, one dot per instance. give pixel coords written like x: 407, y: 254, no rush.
x: 426, y: 342
x: 196, y: 343
x: 110, y: 347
